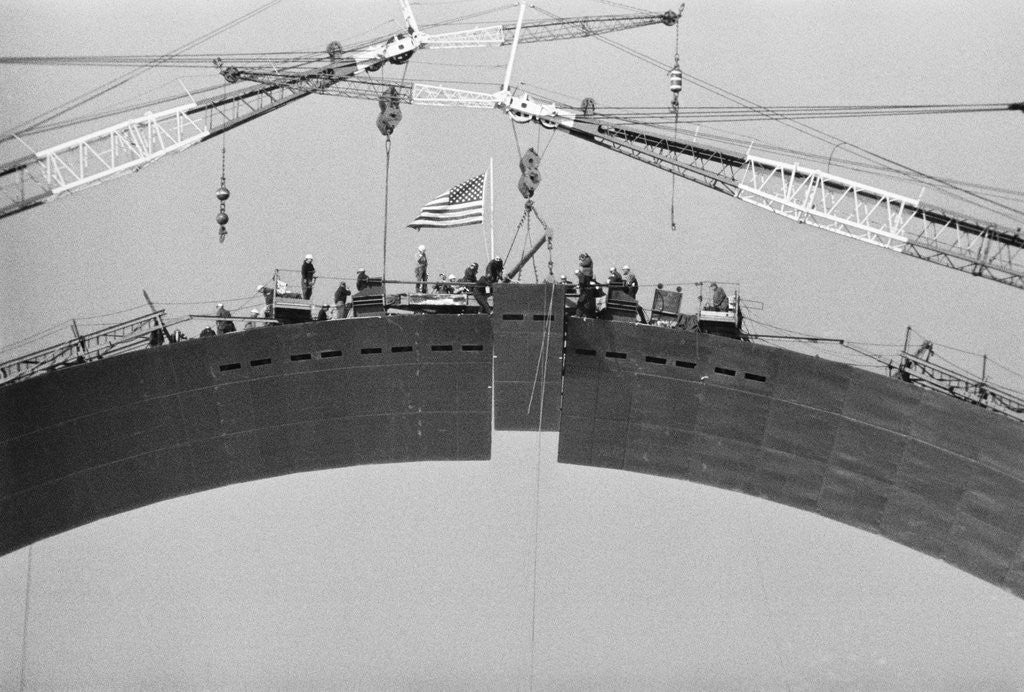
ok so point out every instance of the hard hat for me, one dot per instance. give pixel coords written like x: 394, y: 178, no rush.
x: 255, y: 311
x: 451, y: 277
x: 625, y: 267
x: 563, y: 276
x: 309, y: 257
x: 422, y: 248
x: 611, y: 269
x: 259, y: 288
x: 360, y: 269
x: 474, y: 265
x: 497, y: 258
x: 714, y: 285
x: 220, y: 305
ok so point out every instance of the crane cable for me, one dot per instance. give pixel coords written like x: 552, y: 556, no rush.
x: 27, y: 127
x: 387, y: 180
x: 386, y: 131
x: 675, y: 86
x: 965, y: 195
x: 540, y: 374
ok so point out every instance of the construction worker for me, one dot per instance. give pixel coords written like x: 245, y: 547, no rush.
x: 362, y: 280
x: 341, y: 294
x: 252, y: 324
x: 614, y: 278
x: 586, y: 266
x: 308, y: 277
x: 421, y: 269
x: 719, y: 301
x: 586, y: 305
x: 224, y: 326
x: 629, y: 281
x: 494, y: 271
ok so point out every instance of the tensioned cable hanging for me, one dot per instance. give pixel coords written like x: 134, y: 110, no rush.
x: 387, y: 179
x: 675, y: 85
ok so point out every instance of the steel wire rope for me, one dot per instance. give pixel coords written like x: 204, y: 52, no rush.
x: 850, y: 164
x: 675, y: 129
x: 60, y: 124
x: 387, y: 178
x: 743, y: 114
x: 542, y: 373
x: 753, y: 530
x: 456, y: 21
x: 25, y: 128
x: 815, y: 340
x: 24, y: 626
x: 1007, y: 369
x: 37, y: 336
x: 816, y: 133
x: 620, y: 5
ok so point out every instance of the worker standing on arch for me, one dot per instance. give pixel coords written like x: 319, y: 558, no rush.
x: 421, y: 269
x: 308, y: 277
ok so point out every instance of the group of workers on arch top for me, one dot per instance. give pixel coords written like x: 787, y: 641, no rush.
x: 470, y: 282
x: 625, y: 281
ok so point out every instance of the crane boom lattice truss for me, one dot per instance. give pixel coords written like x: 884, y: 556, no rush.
x: 131, y: 145
x: 828, y: 202
x: 815, y: 198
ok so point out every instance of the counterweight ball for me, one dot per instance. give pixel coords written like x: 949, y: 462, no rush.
x: 223, y: 193
x: 222, y: 219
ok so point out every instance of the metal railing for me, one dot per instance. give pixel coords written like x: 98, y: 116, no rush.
x: 129, y: 335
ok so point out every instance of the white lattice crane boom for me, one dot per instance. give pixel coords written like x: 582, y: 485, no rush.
x: 812, y: 197
x: 129, y: 146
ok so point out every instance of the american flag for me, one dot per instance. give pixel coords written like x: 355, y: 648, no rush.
x: 463, y: 205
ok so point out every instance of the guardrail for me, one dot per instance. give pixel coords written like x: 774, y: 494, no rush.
x: 125, y: 336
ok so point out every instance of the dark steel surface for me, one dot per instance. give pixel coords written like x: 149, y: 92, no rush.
x: 930, y: 472
x: 102, y: 438
x: 527, y: 322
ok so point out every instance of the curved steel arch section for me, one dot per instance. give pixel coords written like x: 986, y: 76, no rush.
x: 102, y: 438
x: 927, y: 471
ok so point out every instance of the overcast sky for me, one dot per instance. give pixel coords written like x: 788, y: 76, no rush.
x: 424, y: 573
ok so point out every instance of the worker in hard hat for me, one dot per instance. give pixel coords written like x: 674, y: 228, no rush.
x: 421, y: 269
x: 225, y: 325
x: 629, y: 281
x: 341, y: 294
x: 252, y: 323
x: 494, y: 271
x: 362, y: 280
x: 308, y: 277
x: 614, y: 278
